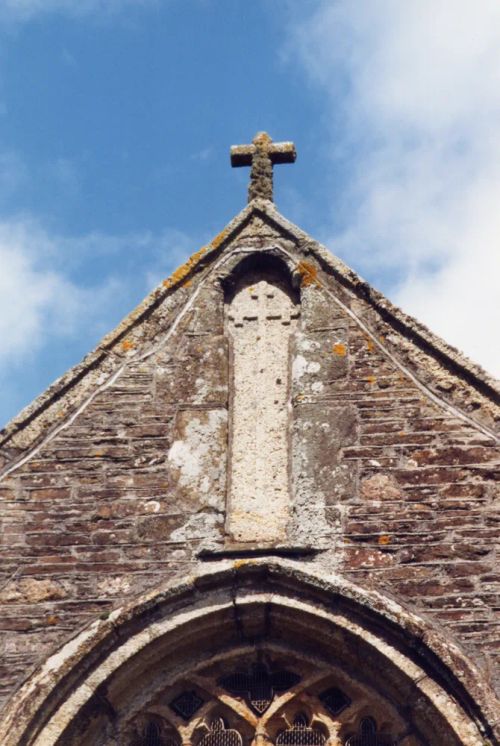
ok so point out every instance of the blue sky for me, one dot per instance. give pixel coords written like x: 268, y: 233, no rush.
x: 116, y: 122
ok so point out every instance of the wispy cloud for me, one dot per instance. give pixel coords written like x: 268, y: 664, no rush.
x: 40, y: 299
x: 51, y: 305
x: 37, y: 300
x: 413, y: 94
x: 205, y: 154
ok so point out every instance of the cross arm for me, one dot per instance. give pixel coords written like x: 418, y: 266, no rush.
x: 282, y: 152
x: 279, y: 152
x: 241, y: 155
x: 262, y: 154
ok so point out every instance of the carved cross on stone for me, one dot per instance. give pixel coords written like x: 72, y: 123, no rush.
x: 260, y: 318
x: 261, y: 155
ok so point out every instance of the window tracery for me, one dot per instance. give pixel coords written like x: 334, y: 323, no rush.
x: 335, y: 700
x: 259, y: 685
x: 154, y: 731
x: 257, y: 702
x: 368, y: 735
x: 220, y: 735
x: 186, y: 704
x: 152, y: 735
x: 301, y: 734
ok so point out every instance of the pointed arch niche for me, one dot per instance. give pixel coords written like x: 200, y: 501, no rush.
x: 262, y: 308
x: 253, y: 653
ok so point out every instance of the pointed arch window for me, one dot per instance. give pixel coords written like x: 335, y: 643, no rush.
x: 154, y: 733
x: 220, y: 735
x: 301, y: 734
x: 368, y: 735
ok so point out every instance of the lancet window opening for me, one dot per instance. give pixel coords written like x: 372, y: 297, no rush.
x: 301, y: 734
x: 368, y: 735
x: 156, y: 732
x: 221, y: 735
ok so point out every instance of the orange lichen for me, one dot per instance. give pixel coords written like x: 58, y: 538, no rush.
x: 370, y: 379
x: 369, y: 344
x: 241, y: 563
x: 308, y: 274
x: 216, y: 242
x: 127, y: 344
x: 384, y: 540
x: 52, y: 619
x: 340, y: 349
x: 182, y: 272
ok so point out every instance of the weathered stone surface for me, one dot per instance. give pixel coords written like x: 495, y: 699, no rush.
x: 31, y: 590
x: 388, y: 459
x: 380, y: 487
x: 261, y: 317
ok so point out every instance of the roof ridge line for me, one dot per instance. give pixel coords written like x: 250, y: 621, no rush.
x: 430, y: 343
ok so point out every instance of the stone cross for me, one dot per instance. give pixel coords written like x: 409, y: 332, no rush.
x: 261, y: 155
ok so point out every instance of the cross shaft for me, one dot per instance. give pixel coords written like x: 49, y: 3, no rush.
x: 261, y: 155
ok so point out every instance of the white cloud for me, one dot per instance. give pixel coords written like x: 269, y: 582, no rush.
x: 24, y: 10
x: 60, y: 294
x: 37, y: 301
x: 413, y: 90
x: 41, y: 304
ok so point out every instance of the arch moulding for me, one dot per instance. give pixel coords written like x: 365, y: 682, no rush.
x: 231, y: 610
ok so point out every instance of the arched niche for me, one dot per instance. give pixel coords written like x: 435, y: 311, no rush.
x: 360, y: 662
x: 262, y: 311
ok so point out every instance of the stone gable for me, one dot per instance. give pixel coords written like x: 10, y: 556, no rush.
x: 376, y: 460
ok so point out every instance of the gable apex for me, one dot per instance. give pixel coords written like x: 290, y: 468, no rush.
x: 257, y: 227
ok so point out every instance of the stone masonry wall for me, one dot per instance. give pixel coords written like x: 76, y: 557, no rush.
x: 394, y: 489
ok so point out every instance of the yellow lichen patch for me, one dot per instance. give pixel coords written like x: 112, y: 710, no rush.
x: 216, y: 242
x: 182, y: 272
x: 127, y: 345
x: 340, y: 349
x: 384, y: 540
x: 241, y: 563
x: 308, y: 274
x: 370, y: 379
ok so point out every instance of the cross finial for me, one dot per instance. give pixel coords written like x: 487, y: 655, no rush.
x: 261, y: 155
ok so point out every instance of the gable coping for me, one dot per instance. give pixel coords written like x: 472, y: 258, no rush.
x: 22, y: 432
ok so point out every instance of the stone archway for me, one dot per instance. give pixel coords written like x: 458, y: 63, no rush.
x: 254, y: 651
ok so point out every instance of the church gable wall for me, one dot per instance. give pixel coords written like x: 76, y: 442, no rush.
x: 387, y: 486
